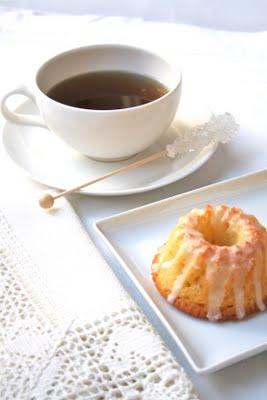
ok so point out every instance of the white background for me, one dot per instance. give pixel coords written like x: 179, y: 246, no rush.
x: 242, y: 15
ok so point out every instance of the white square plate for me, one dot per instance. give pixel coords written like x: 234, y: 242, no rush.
x: 134, y: 236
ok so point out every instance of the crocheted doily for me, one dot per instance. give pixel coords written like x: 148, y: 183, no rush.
x: 45, y: 355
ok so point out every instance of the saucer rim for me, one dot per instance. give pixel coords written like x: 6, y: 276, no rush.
x: 208, y: 151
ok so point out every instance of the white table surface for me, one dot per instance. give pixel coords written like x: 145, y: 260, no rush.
x: 227, y: 70
x: 237, y: 15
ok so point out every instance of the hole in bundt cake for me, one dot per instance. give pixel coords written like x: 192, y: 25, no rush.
x: 218, y: 233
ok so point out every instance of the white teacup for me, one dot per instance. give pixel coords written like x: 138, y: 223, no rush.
x: 102, y: 134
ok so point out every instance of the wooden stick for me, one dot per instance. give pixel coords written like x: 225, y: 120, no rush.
x: 46, y: 200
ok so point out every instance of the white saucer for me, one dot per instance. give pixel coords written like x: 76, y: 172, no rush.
x: 48, y: 160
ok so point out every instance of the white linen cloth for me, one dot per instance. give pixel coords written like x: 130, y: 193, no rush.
x: 80, y: 336
x: 227, y: 70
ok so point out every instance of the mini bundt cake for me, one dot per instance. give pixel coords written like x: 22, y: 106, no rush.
x: 214, y: 264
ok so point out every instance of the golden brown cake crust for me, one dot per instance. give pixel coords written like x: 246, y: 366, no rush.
x: 199, y: 310
x: 193, y: 296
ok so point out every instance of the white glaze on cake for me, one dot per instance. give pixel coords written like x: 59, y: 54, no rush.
x: 222, y: 262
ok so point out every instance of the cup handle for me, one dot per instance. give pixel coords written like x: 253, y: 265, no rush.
x: 16, y: 117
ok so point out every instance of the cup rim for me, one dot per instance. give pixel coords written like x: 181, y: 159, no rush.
x: 109, y: 45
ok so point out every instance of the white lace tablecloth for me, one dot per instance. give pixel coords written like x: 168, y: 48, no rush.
x: 227, y: 70
x: 84, y: 340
